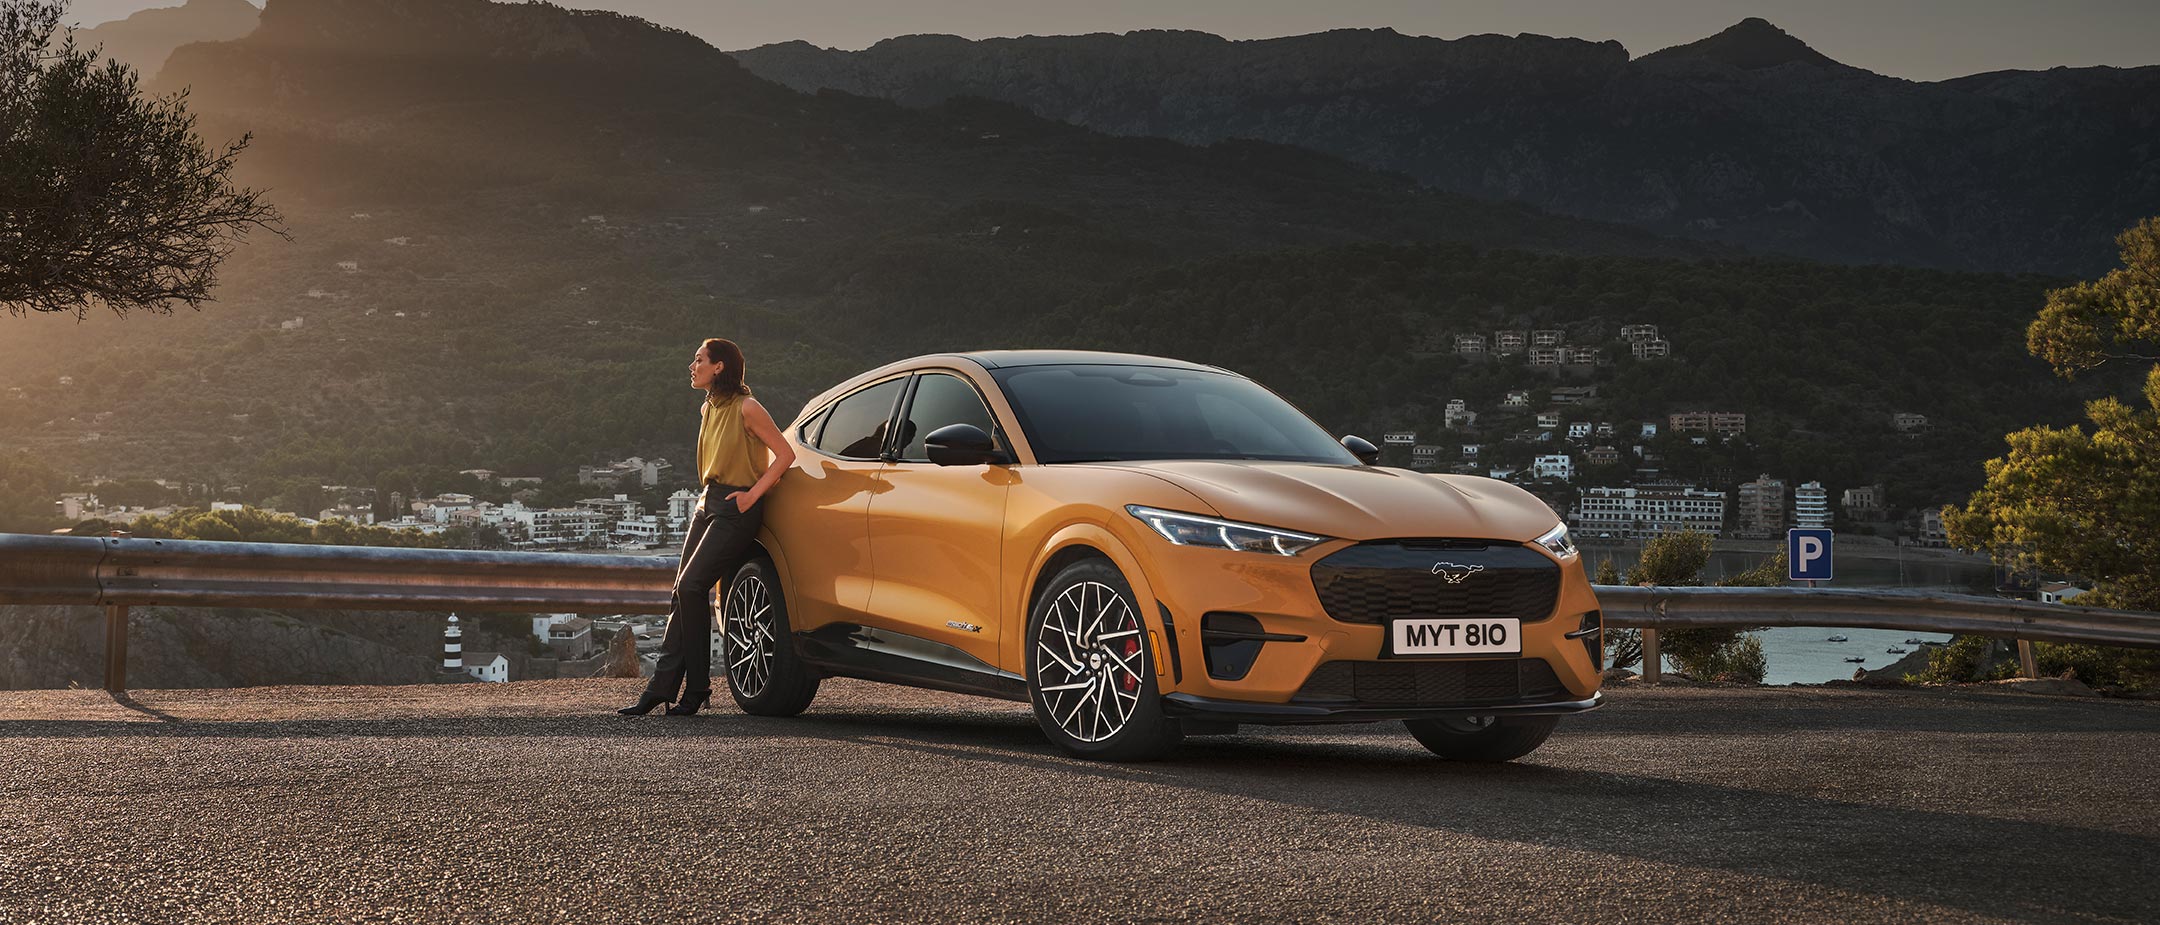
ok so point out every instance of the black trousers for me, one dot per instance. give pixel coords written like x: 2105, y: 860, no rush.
x: 716, y: 545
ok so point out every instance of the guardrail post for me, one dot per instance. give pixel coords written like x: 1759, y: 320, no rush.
x: 116, y: 638
x: 1652, y: 662
x: 2027, y: 668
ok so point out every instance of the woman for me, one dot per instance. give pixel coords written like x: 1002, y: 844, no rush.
x: 733, y: 444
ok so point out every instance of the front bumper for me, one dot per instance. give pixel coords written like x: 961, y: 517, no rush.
x: 1285, y: 714
x: 1283, y: 635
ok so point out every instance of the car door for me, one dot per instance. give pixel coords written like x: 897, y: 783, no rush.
x: 937, y: 532
x: 821, y: 512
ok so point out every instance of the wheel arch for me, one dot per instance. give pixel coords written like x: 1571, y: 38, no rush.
x: 1074, y: 543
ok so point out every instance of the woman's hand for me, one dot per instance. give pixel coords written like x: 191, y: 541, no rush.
x: 741, y: 500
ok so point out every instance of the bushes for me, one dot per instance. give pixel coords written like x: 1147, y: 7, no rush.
x: 1707, y: 653
x: 1980, y: 658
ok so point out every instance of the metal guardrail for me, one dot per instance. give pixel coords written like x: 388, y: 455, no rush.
x: 1654, y: 608
x: 120, y: 573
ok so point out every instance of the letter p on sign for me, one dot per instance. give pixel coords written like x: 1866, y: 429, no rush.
x: 1807, y: 555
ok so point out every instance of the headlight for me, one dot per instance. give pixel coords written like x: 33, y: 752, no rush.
x: 1558, y: 542
x: 1195, y: 530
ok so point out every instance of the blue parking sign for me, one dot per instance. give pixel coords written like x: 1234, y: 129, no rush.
x: 1807, y: 554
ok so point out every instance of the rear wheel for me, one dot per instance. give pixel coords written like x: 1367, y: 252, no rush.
x: 1482, y: 738
x: 764, y: 674
x: 1091, y: 675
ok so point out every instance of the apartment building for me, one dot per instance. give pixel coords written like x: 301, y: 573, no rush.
x: 1759, y: 509
x: 1641, y: 513
x: 1811, y: 506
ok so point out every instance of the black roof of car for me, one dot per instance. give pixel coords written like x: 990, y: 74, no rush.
x: 1000, y: 359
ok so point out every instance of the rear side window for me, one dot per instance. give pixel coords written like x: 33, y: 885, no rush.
x: 940, y: 400
x: 855, y: 427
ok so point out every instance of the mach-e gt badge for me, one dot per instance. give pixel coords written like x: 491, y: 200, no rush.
x: 1455, y: 573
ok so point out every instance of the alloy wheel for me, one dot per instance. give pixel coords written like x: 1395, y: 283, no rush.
x: 1088, y: 660
x: 748, y: 616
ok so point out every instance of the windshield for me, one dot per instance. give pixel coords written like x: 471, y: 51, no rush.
x: 1110, y: 413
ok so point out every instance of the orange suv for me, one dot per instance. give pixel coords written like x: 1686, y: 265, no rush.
x: 1143, y: 549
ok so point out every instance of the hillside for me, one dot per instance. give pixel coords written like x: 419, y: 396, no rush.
x: 509, y: 222
x: 1748, y: 137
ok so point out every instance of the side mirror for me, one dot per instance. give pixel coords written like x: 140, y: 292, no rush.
x: 961, y: 445
x: 1362, y: 449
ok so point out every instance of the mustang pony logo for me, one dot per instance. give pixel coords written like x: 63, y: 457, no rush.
x: 1455, y: 573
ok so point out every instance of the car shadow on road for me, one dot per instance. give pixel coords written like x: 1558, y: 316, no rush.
x: 1986, y: 864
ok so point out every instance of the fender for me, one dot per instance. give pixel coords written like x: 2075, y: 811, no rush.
x: 1101, y: 540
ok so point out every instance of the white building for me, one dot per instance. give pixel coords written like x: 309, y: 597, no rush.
x: 1470, y: 344
x: 1634, y: 333
x: 569, y: 635
x: 1640, y: 513
x: 1651, y: 349
x: 1554, y: 466
x: 1548, y: 419
x: 1811, y: 507
x: 1578, y: 430
x: 491, y: 667
x: 2056, y: 592
x: 642, y: 532
x: 1516, y: 399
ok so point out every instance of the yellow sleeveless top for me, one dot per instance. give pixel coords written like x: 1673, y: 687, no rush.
x: 726, y: 450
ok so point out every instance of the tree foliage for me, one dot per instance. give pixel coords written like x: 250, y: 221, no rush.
x: 106, y: 197
x: 2116, y: 317
x: 2085, y: 502
x: 253, y: 525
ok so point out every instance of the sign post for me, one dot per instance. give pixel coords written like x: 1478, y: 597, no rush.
x: 1807, y: 555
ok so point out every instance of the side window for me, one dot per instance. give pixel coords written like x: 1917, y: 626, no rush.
x: 940, y: 400
x: 808, y: 433
x: 855, y: 427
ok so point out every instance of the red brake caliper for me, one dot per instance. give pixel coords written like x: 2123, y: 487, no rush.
x: 1132, y: 647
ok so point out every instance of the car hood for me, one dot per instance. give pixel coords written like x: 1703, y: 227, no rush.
x: 1358, y: 502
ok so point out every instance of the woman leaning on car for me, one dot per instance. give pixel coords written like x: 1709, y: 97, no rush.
x: 740, y: 456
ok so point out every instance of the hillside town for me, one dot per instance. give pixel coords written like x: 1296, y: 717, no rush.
x: 1607, y: 478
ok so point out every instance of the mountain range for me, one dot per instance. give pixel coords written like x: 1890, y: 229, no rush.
x: 1748, y: 137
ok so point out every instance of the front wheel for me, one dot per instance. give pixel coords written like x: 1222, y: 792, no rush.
x: 1482, y: 738
x: 764, y: 674
x: 1091, y: 674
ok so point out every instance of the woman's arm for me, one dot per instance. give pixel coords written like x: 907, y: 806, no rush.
x: 760, y: 423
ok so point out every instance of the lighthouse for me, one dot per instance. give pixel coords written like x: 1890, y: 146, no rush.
x: 453, y: 648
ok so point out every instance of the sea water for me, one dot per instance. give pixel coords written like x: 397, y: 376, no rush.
x: 1804, y: 654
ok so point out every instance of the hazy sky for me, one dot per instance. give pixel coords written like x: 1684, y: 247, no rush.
x: 1918, y: 39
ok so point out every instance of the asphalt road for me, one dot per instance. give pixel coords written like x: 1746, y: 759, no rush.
x: 529, y: 802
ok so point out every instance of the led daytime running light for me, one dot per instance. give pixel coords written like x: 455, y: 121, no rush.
x: 1558, y: 542
x: 1195, y: 530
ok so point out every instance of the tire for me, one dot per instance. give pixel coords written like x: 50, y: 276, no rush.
x: 1482, y: 738
x: 765, y: 675
x: 1086, y: 640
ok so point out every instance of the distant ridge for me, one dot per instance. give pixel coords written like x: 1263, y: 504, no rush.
x: 145, y: 39
x: 1748, y: 137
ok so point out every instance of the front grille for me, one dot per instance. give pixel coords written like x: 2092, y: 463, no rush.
x: 1466, y: 682
x: 1377, y: 582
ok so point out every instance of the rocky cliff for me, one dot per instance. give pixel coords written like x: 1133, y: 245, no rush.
x: 1748, y: 137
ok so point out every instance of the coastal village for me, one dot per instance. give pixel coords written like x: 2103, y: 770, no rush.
x: 1606, y: 477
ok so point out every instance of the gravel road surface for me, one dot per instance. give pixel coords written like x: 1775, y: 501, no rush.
x: 531, y: 802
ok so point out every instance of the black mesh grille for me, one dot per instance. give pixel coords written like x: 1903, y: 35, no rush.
x: 1376, y: 582
x: 1440, y: 683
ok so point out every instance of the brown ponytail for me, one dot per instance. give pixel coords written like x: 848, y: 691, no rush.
x: 728, y: 381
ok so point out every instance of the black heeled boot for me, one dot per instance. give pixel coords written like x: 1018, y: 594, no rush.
x: 691, y: 701
x: 645, y: 704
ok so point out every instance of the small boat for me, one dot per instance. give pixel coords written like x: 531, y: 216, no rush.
x: 1836, y: 638
x: 1916, y: 642
x: 1856, y: 660
x: 1895, y: 650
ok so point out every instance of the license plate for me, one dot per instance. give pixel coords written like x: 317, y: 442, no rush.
x: 1490, y: 636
